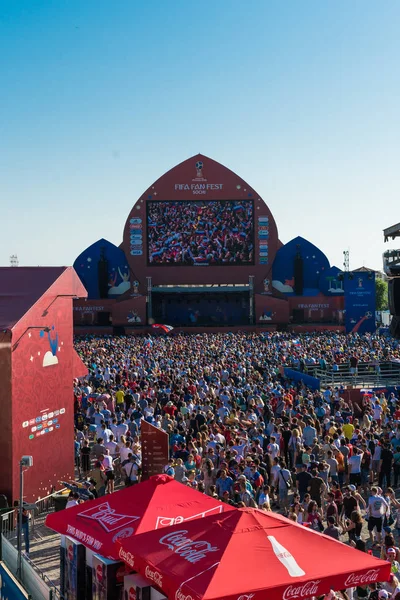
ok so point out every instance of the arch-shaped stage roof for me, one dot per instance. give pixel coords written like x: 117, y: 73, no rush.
x: 167, y: 247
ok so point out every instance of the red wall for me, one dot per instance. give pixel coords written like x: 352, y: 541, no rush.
x: 317, y: 308
x: 271, y: 310
x: 38, y: 390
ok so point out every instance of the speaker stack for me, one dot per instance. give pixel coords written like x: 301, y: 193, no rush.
x: 394, y: 305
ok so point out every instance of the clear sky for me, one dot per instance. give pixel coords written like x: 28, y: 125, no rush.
x: 99, y: 98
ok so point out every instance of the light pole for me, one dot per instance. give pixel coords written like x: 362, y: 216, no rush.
x: 25, y: 462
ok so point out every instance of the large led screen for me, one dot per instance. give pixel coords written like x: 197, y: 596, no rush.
x: 200, y: 233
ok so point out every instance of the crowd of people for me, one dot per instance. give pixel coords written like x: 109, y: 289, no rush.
x: 189, y: 233
x: 242, y: 433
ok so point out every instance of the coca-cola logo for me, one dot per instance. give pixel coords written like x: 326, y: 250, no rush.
x: 355, y: 579
x: 127, y: 557
x: 190, y: 550
x: 132, y: 593
x: 246, y: 597
x: 154, y: 576
x: 179, y: 595
x: 99, y: 573
x: 304, y: 590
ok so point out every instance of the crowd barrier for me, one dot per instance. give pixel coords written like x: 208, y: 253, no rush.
x: 32, y: 578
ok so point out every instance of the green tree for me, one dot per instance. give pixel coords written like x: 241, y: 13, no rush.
x: 381, y: 294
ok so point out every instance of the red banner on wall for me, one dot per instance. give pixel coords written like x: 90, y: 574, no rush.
x: 155, y: 449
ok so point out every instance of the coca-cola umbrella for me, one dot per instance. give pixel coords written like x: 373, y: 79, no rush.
x: 247, y: 554
x: 154, y: 504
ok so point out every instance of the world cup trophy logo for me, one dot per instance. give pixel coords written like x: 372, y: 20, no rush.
x: 199, y: 169
x: 266, y: 283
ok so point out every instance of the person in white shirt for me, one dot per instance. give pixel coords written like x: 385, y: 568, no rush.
x: 124, y: 452
x: 377, y: 507
x: 122, y: 429
x: 263, y: 498
x: 112, y: 446
x: 273, y: 448
x: 133, y: 472
x: 354, y: 463
x: 108, y: 465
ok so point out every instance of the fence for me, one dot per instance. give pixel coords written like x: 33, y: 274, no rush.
x: 34, y: 580
x: 385, y: 374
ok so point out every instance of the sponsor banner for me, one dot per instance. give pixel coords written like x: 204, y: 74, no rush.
x: 137, y: 252
x: 155, y: 450
x: 107, y: 517
x: 359, y: 302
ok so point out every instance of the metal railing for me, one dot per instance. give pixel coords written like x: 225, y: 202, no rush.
x: 385, y: 374
x: 8, y: 523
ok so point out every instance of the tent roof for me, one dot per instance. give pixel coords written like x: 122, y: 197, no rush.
x: 20, y: 288
x: 247, y: 553
x: 153, y: 504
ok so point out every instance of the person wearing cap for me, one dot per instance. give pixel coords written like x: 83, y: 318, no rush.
x: 391, y: 554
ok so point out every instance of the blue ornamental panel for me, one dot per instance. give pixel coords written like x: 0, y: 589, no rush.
x: 301, y: 260
x: 103, y: 270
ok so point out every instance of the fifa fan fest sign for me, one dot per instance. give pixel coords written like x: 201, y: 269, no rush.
x: 199, y: 184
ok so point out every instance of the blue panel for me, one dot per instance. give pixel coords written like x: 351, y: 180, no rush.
x: 10, y: 589
x: 315, y: 264
x: 312, y: 382
x: 86, y: 266
x: 359, y: 302
x: 330, y: 284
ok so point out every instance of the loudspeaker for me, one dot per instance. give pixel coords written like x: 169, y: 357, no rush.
x: 102, y: 274
x: 298, y: 269
x: 395, y: 327
x: 103, y: 318
x: 298, y: 315
x: 394, y: 296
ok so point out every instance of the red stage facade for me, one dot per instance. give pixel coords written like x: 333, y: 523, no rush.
x: 37, y: 366
x: 201, y: 250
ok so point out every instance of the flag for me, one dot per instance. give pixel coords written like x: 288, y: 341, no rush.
x: 165, y: 328
x: 148, y: 342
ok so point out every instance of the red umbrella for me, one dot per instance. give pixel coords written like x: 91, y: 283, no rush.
x: 247, y: 554
x: 156, y: 503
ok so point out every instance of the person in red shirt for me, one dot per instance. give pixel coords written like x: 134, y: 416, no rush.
x: 170, y: 409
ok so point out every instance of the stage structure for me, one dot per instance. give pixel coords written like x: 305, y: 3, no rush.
x: 201, y: 249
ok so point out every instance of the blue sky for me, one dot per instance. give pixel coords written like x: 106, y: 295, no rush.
x: 98, y: 99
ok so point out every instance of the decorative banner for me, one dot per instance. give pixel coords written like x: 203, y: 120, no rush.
x: 263, y: 237
x: 359, y: 292
x: 136, y: 236
x: 155, y: 451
